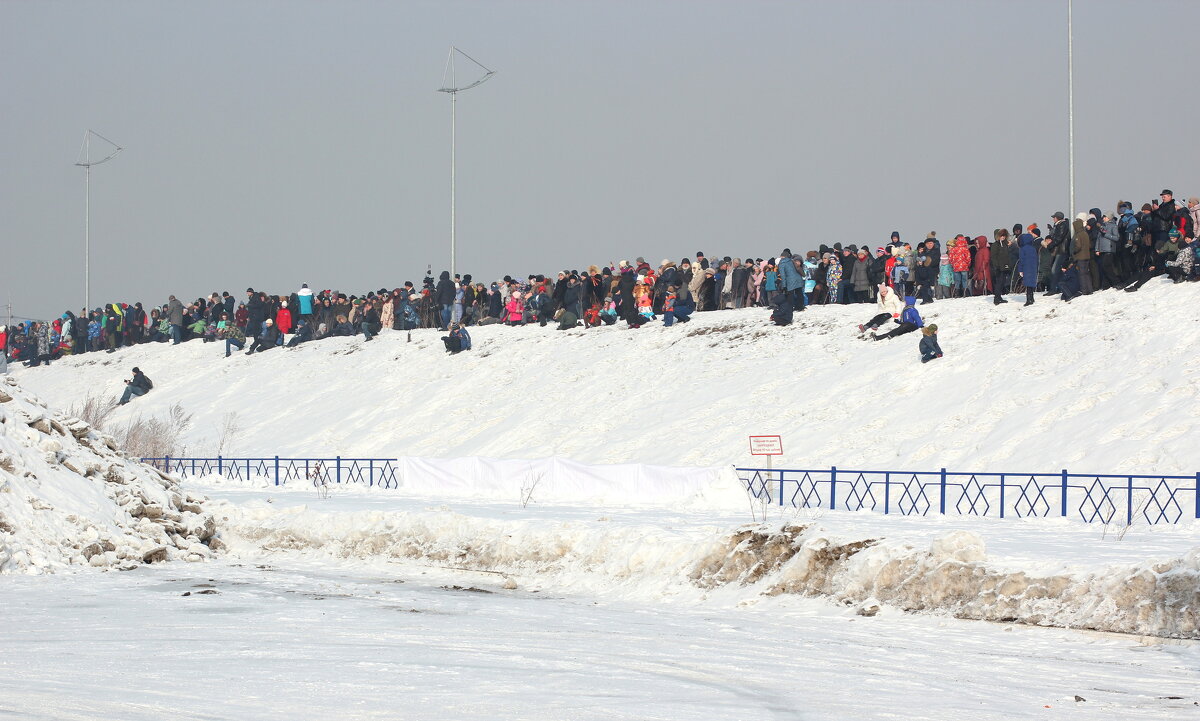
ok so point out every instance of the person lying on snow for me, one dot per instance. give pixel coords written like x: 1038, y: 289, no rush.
x: 889, y: 308
x: 909, y: 320
x: 458, y: 340
x: 929, y: 344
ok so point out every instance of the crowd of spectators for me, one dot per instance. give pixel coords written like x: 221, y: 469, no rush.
x: 1094, y: 251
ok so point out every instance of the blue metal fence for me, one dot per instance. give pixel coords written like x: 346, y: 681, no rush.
x: 1091, y: 497
x: 315, y: 471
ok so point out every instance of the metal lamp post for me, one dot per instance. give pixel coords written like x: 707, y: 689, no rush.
x: 453, y: 91
x: 85, y: 153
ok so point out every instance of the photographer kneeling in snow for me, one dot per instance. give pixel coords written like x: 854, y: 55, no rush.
x: 458, y: 340
x: 909, y: 320
x: 139, y: 385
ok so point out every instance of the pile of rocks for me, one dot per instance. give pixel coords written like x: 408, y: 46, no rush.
x: 68, y: 497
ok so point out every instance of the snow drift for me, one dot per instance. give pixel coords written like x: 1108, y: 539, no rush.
x: 1105, y: 383
x: 69, y: 498
x: 951, y: 575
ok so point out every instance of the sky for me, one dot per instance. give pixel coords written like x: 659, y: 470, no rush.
x: 270, y: 144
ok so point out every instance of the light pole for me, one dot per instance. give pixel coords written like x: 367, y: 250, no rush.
x: 86, y: 163
x: 453, y: 91
x: 1071, y: 107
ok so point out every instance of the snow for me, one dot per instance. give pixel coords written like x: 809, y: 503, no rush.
x: 636, y: 579
x: 1106, y: 383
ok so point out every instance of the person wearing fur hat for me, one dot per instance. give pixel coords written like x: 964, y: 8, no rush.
x: 908, y: 321
x: 889, y: 307
x: 929, y: 347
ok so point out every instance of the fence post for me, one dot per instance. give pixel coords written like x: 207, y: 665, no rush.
x: 1198, y: 495
x: 370, y: 472
x: 167, y: 462
x: 833, y: 488
x: 277, y: 470
x: 1002, y: 495
x: 943, y: 492
x: 1064, y: 493
x: 1129, y: 502
x: 338, y: 468
x: 220, y: 470
x: 887, y: 491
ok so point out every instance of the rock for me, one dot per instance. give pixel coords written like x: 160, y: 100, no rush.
x: 188, y: 507
x: 51, y: 445
x: 509, y: 584
x: 41, y: 425
x: 1079, y: 699
x: 868, y: 608
x: 92, y: 549
x: 157, y: 554
x: 99, y: 560
x: 4, y: 397
x: 217, y: 545
x: 152, y: 511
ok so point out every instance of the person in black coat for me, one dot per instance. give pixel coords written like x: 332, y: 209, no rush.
x: 256, y: 313
x: 369, y: 321
x: 572, y: 295
x: 267, y: 339
x: 627, y: 308
x: 443, y: 295
x: 1003, y: 260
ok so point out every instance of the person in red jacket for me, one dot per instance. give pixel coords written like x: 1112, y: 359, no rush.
x: 283, y: 318
x: 3, y: 349
x: 960, y: 263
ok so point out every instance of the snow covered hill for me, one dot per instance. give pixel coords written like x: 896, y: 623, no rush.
x: 1105, y: 383
x: 68, y: 498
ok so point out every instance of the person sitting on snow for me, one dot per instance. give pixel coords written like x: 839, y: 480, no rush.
x: 139, y: 385
x: 929, y: 344
x: 909, y: 320
x: 458, y: 340
x: 889, y: 308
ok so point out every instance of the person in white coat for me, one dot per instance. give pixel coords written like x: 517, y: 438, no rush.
x: 889, y: 305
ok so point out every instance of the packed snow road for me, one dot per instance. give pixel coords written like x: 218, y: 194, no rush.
x: 298, y: 638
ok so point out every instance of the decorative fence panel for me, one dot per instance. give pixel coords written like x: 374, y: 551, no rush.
x: 1090, y: 497
x: 314, y: 471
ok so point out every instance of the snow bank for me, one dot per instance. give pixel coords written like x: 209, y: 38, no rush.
x: 1105, y: 383
x: 69, y: 498
x: 951, y: 575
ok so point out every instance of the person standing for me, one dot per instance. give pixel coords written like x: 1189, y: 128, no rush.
x: 1081, y: 252
x: 175, y: 318
x: 1001, y: 254
x: 1028, y: 264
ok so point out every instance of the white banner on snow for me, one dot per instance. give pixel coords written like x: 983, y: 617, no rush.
x: 554, y: 479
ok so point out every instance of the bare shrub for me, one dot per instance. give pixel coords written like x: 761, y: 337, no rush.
x: 228, y: 433
x: 94, y: 410
x: 154, y: 437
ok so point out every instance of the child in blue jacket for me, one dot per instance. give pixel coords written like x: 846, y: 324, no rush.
x: 909, y: 320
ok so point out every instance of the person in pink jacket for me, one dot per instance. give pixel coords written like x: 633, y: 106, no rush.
x: 515, y: 308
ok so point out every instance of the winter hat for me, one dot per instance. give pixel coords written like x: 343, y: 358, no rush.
x: 283, y: 303
x: 665, y: 262
x: 249, y: 290
x: 932, y: 235
x: 304, y: 285
x: 623, y: 264
x: 1081, y: 216
x: 837, y: 246
x: 1167, y: 192
x: 137, y: 370
x: 1146, y: 207
x: 268, y: 321
x: 880, y: 250
x: 1193, y: 200
x: 1058, y: 215
x: 895, y: 235
x: 862, y: 251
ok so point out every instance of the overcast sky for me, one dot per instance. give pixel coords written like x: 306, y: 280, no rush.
x: 274, y: 143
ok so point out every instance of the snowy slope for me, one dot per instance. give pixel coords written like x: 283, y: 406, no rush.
x: 1105, y: 383
x: 68, y: 498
